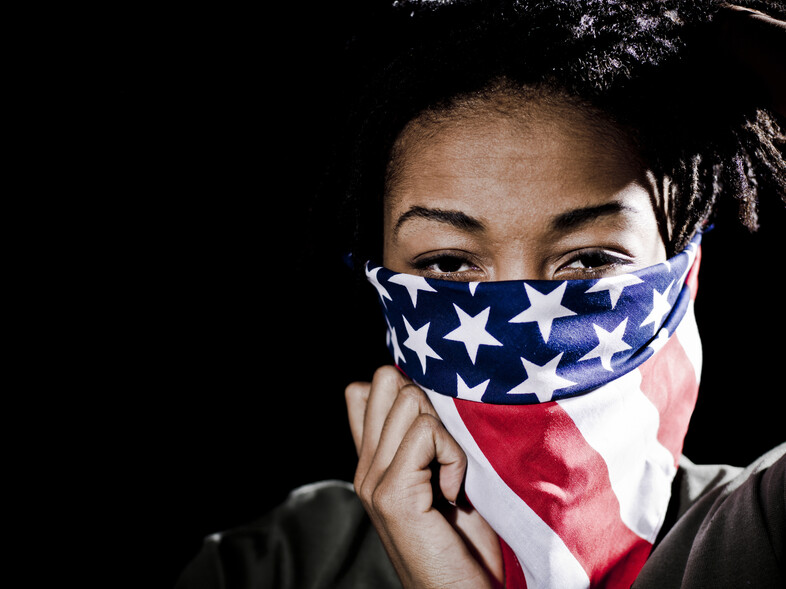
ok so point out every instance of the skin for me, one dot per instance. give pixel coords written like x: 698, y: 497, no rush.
x: 537, y: 193
x: 550, y: 198
x: 533, y: 191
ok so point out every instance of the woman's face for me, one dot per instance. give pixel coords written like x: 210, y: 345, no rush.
x: 492, y: 197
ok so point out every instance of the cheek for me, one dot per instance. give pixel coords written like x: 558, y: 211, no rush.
x: 658, y: 252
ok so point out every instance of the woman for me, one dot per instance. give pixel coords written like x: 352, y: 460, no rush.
x: 528, y: 145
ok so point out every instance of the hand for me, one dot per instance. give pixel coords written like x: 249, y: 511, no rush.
x: 757, y: 42
x: 432, y: 539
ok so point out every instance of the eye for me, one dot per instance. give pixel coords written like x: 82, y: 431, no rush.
x: 445, y: 266
x: 588, y: 264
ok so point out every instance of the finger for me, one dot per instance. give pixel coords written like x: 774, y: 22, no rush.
x: 453, y: 464
x: 385, y: 385
x: 356, y: 396
x: 410, y: 402
x: 422, y: 544
x: 409, y: 473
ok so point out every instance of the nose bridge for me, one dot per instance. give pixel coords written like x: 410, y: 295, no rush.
x: 516, y: 259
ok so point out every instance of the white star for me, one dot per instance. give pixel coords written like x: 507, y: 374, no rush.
x: 660, y: 308
x: 417, y: 343
x: 541, y: 380
x: 471, y: 394
x: 472, y: 332
x: 615, y: 286
x: 609, y: 343
x: 413, y: 284
x: 392, y: 339
x: 473, y: 286
x: 372, y: 277
x: 544, y: 309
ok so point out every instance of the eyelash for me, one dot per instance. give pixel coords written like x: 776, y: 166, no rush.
x: 597, y: 263
x: 424, y: 266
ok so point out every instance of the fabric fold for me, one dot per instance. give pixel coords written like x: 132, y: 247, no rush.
x: 571, y: 400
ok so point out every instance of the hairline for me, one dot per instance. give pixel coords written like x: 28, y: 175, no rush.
x: 516, y: 103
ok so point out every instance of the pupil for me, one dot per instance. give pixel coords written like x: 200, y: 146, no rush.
x: 594, y: 260
x: 449, y: 264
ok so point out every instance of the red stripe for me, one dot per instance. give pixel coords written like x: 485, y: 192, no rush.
x: 550, y: 466
x: 669, y: 382
x: 514, y: 576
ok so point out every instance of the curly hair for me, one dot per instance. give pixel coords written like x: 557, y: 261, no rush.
x: 644, y: 65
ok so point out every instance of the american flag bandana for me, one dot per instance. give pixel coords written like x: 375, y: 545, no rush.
x: 571, y: 400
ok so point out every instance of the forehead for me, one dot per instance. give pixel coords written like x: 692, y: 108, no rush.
x: 527, y: 145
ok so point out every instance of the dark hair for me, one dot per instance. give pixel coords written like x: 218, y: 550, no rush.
x: 644, y: 64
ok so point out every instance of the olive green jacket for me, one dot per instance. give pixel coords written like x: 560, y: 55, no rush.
x: 726, y: 527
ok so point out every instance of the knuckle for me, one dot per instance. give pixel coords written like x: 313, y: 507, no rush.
x: 363, y: 488
x: 411, y: 394
x: 386, y: 376
x: 357, y: 482
x: 376, y: 497
x: 385, y: 370
x: 355, y: 390
x: 426, y: 429
x: 425, y: 424
x: 382, y: 500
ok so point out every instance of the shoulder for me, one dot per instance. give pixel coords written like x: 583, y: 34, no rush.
x: 730, y: 529
x: 319, y: 537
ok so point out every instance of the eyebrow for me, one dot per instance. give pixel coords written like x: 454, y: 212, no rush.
x: 575, y: 218
x: 567, y: 221
x: 456, y: 219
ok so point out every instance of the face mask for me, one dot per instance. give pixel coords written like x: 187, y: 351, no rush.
x: 571, y: 400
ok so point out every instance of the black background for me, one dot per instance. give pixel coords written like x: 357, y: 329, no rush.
x: 217, y: 357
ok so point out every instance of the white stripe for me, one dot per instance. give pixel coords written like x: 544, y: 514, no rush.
x: 687, y: 333
x: 543, y: 556
x: 621, y: 424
